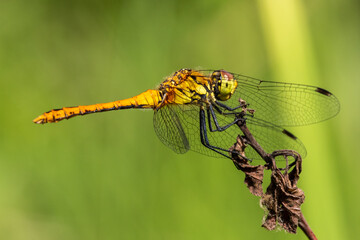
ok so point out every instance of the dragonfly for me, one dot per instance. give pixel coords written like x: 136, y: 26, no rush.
x: 198, y: 110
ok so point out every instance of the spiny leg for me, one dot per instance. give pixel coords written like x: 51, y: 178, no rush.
x: 230, y: 108
x: 219, y: 110
x: 204, y: 137
x: 205, y: 140
x: 211, y: 113
x: 242, y: 105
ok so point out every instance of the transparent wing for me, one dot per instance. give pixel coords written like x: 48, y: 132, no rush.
x: 285, y: 104
x: 272, y: 137
x: 178, y: 127
x: 169, y: 129
x: 269, y: 136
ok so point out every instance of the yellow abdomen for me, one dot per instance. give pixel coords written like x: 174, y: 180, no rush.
x: 148, y: 99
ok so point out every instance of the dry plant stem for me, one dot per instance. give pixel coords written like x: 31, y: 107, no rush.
x: 251, y: 140
x: 271, y: 164
x: 306, y: 228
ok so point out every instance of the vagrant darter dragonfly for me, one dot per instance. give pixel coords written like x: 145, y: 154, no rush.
x: 197, y: 110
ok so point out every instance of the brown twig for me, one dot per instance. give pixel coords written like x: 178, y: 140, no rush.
x: 306, y: 228
x: 282, y: 198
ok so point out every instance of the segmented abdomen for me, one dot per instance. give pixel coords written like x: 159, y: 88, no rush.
x: 148, y: 99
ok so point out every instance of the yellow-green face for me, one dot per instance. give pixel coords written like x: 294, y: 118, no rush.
x: 224, y: 85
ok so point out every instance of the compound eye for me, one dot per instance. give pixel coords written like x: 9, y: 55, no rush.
x: 224, y: 85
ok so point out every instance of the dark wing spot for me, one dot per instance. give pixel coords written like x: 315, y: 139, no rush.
x: 323, y: 91
x: 289, y: 134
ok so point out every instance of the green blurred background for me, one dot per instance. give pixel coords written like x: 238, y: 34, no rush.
x: 107, y: 176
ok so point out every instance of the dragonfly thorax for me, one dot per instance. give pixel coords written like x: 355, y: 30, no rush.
x: 224, y: 84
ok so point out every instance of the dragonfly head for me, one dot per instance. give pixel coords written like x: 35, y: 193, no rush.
x: 224, y: 84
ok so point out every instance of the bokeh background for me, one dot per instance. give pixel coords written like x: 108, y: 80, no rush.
x: 107, y: 176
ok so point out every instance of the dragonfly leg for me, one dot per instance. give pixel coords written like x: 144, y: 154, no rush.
x: 227, y: 113
x: 204, y: 138
x: 242, y: 105
x: 230, y: 108
x: 211, y: 113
